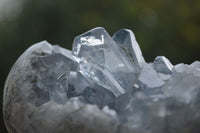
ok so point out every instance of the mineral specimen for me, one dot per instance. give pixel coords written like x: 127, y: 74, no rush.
x: 103, y: 85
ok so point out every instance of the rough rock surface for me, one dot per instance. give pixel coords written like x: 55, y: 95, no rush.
x: 103, y: 85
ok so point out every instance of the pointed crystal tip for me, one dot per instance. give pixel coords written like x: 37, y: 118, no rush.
x: 51, y: 89
x: 125, y: 38
x: 163, y: 65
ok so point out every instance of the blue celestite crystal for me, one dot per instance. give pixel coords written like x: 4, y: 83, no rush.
x: 163, y: 65
x: 103, y: 85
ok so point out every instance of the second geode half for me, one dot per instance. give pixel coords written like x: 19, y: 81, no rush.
x: 103, y: 85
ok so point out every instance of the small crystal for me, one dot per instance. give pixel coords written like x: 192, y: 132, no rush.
x: 100, y: 58
x: 162, y: 64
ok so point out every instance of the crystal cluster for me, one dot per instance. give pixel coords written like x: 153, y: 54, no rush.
x: 103, y: 85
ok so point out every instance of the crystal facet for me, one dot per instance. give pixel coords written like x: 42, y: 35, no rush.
x: 163, y: 65
x: 100, y: 58
x: 126, y: 41
x: 149, y: 78
x: 103, y: 85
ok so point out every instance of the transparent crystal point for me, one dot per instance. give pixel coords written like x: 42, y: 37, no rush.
x: 126, y: 40
x: 100, y: 56
x: 163, y: 65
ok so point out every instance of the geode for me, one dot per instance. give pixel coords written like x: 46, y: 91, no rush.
x: 104, y: 85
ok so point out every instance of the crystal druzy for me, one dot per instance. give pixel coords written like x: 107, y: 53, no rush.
x: 104, y: 85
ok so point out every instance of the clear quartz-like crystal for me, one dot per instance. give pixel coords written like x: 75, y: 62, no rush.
x: 163, y: 65
x: 103, y: 85
x: 100, y: 58
x: 126, y: 41
x: 103, y: 78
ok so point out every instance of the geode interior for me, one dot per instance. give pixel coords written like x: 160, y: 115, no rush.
x: 103, y: 85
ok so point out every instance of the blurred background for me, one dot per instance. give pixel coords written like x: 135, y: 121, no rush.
x: 162, y: 27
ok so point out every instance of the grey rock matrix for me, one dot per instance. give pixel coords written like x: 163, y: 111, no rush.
x: 103, y: 85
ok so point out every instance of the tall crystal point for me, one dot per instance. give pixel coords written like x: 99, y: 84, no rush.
x: 99, y: 55
x: 126, y: 41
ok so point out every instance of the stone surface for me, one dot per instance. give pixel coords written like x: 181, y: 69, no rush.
x: 103, y: 85
x: 184, y: 84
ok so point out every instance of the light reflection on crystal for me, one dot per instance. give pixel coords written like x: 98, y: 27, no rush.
x: 103, y: 85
